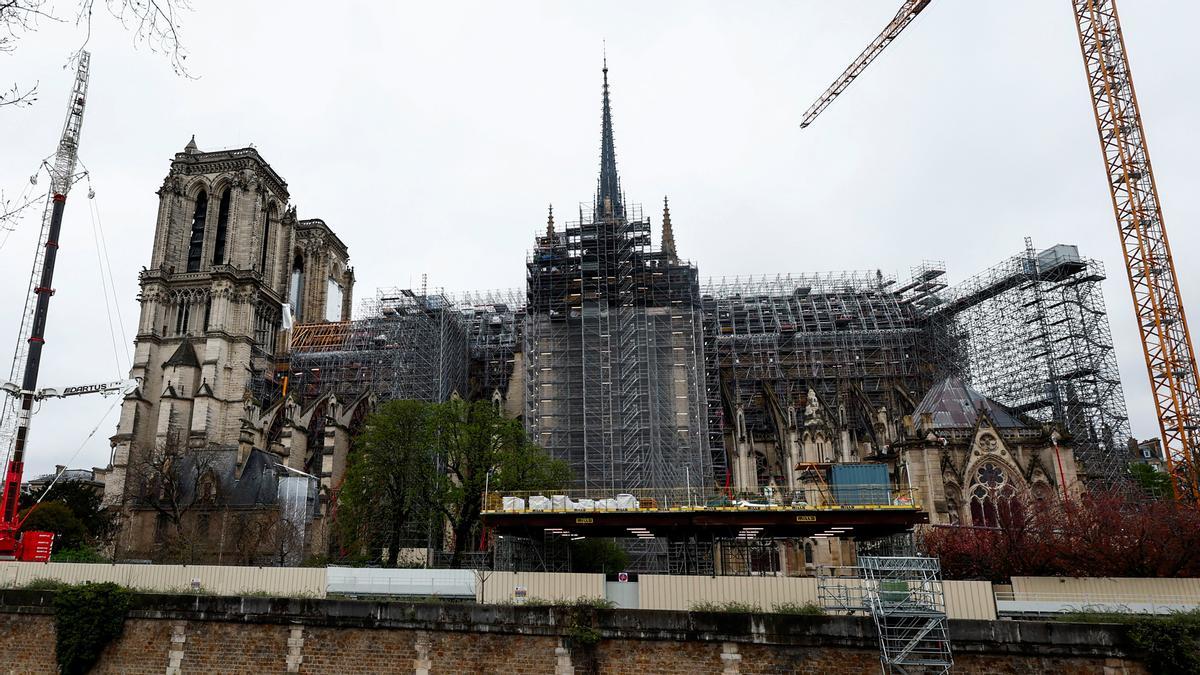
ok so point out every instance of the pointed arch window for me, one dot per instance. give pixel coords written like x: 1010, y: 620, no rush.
x: 994, y: 498
x: 222, y: 228
x: 296, y: 294
x: 196, y: 244
x: 266, y: 239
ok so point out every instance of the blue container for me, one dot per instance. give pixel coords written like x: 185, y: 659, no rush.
x: 858, y: 484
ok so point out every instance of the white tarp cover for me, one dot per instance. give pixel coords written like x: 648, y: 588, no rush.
x: 514, y: 504
x: 538, y: 503
x: 626, y: 502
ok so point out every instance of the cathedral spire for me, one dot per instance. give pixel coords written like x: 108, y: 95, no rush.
x: 608, y: 191
x: 550, y: 224
x: 668, y: 235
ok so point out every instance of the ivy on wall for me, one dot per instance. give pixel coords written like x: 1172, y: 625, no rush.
x: 86, y: 619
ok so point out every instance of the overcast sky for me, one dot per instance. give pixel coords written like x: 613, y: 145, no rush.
x: 432, y: 136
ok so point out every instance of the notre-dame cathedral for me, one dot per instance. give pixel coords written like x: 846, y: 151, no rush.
x: 253, y: 379
x: 232, y: 267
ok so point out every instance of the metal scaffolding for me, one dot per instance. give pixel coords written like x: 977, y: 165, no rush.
x: 903, y: 595
x: 613, y: 352
x: 494, y: 322
x: 406, y: 346
x: 855, y: 339
x: 1032, y: 333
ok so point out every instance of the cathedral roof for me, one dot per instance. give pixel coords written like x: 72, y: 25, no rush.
x: 954, y: 404
x: 185, y: 355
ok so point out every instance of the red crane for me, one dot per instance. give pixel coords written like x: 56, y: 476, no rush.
x: 18, y: 407
x: 1166, y: 341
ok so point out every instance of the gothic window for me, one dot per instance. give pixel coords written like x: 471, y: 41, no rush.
x: 993, y: 497
x: 333, y: 301
x: 222, y: 228
x: 358, y: 420
x: 266, y: 327
x: 196, y: 245
x: 206, y: 491
x: 296, y: 293
x: 266, y: 239
x: 315, y: 451
x: 207, y: 313
x: 182, y: 316
x: 275, y: 431
x: 160, y: 528
x: 808, y: 553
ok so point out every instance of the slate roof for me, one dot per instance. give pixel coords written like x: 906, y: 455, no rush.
x: 185, y: 355
x: 257, y: 486
x: 954, y: 404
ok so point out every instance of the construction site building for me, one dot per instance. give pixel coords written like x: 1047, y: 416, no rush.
x: 406, y: 346
x: 811, y: 369
x: 613, y: 345
x: 1032, y: 333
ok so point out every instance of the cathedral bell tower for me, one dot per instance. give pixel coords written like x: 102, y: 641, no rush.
x: 212, y: 304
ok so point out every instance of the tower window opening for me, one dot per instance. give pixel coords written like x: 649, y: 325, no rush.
x: 182, y: 317
x: 222, y: 228
x: 266, y: 239
x: 196, y: 244
x: 297, y: 288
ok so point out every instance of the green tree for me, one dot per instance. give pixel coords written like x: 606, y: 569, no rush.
x: 389, y: 475
x: 85, y: 502
x: 69, y: 531
x: 1153, y: 482
x: 477, y: 448
x: 598, y: 555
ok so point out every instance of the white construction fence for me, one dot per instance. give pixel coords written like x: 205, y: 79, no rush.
x: 1026, y: 596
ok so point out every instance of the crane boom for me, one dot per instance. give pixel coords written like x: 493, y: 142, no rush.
x: 1166, y: 342
x: 908, y: 11
x: 31, y: 339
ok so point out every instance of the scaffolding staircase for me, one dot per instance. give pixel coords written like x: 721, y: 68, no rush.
x: 903, y: 596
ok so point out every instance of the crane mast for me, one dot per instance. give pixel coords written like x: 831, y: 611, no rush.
x: 18, y: 408
x: 1166, y: 342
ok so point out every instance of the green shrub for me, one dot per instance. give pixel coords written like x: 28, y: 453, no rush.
x: 86, y: 618
x: 46, y: 585
x: 592, y: 603
x: 1171, y: 643
x: 806, y: 609
x: 83, y: 554
x: 731, y: 606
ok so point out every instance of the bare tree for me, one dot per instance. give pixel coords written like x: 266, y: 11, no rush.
x: 174, y: 480
x: 153, y: 24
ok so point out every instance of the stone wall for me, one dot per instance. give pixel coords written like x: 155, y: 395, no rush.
x: 177, y: 634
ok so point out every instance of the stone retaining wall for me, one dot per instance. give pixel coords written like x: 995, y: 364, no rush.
x: 204, y: 634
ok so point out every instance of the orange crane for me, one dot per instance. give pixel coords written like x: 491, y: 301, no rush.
x: 1166, y: 342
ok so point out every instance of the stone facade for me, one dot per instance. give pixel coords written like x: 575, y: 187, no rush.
x: 967, y: 457
x: 230, y: 266
x: 186, y: 634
